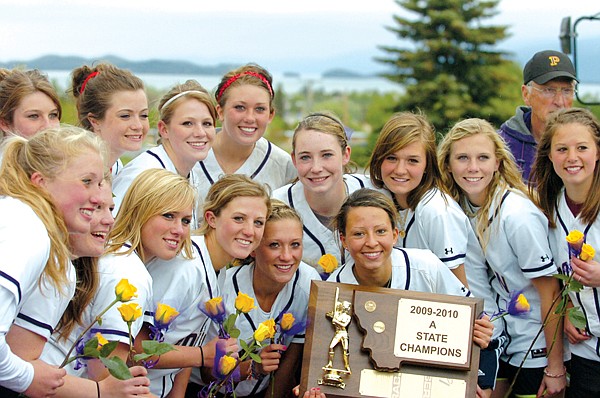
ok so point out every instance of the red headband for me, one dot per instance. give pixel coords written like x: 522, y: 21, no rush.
x: 87, y: 79
x: 233, y: 78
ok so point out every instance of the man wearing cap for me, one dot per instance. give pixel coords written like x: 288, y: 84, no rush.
x: 548, y: 85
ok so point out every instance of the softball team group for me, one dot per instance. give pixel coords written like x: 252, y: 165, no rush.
x: 453, y: 218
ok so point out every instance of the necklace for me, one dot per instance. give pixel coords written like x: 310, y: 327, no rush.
x: 402, y: 219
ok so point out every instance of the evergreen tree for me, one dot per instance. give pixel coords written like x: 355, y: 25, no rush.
x: 452, y: 69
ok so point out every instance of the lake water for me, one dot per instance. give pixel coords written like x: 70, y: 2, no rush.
x: 290, y: 84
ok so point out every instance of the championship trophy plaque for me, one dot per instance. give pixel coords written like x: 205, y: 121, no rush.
x: 387, y: 343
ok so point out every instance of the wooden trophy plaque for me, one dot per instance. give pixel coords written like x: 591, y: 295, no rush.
x: 386, y: 343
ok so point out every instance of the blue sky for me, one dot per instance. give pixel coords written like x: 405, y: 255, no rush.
x: 308, y: 36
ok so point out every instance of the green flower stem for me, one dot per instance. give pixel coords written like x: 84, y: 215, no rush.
x: 97, y: 319
x: 131, y: 349
x: 558, y: 297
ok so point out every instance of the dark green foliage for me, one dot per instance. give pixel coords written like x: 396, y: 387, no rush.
x: 449, y: 63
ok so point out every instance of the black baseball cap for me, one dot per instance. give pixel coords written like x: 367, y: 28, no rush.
x: 547, y: 65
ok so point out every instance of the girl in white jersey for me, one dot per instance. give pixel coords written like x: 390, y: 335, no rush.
x: 187, y: 130
x: 404, y: 165
x: 245, y: 108
x: 28, y: 103
x: 321, y: 155
x: 279, y: 283
x: 235, y: 212
x: 112, y: 103
x: 568, y: 189
x: 483, y: 177
x: 366, y: 224
x: 52, y: 180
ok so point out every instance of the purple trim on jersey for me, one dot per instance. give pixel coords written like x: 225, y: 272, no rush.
x: 310, y: 234
x: 543, y: 267
x: 206, y: 173
x: 109, y: 332
x: 453, y: 258
x: 35, y: 322
x: 210, y: 293
x: 149, y: 152
x: 13, y: 281
x: 264, y: 161
x: 407, y: 261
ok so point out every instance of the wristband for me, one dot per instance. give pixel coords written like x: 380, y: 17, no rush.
x: 98, y: 389
x: 202, y: 355
x: 555, y: 376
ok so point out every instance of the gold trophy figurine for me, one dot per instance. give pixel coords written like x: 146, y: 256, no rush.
x: 340, y: 318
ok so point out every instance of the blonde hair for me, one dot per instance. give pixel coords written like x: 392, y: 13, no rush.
x: 16, y: 84
x: 153, y: 192
x: 48, y: 153
x: 507, y: 176
x: 400, y: 130
x: 548, y: 183
x: 190, y: 89
x: 229, y: 187
x: 328, y: 124
x: 281, y: 211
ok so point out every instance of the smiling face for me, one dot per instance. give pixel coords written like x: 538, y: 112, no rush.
x: 402, y: 171
x: 125, y: 123
x: 239, y: 227
x: 574, y: 156
x: 92, y: 244
x: 246, y: 114
x: 76, y: 190
x: 369, y: 237
x: 319, y: 160
x: 280, y: 251
x: 189, y: 134
x: 163, y: 235
x: 541, y: 106
x: 473, y: 162
x: 35, y: 112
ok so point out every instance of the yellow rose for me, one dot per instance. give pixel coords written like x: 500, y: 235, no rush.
x: 522, y: 303
x: 287, y: 321
x: 265, y: 330
x: 125, y: 291
x: 165, y: 314
x: 226, y: 364
x: 101, y: 340
x: 587, y: 252
x: 244, y: 303
x: 214, y: 306
x: 130, y: 312
x: 575, y: 237
x: 328, y: 262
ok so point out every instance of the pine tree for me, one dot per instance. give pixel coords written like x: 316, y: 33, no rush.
x: 452, y: 70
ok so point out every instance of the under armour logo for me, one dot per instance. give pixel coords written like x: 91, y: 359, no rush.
x: 448, y: 251
x: 545, y: 257
x: 463, y: 289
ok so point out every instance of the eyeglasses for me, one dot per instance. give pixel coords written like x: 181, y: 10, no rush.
x: 551, y: 92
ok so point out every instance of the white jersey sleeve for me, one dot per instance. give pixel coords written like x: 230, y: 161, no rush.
x: 22, y: 263
x: 154, y: 158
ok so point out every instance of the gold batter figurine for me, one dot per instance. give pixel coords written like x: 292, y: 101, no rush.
x: 340, y: 318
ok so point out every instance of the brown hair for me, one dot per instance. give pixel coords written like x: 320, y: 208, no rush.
x: 329, y: 124
x: 16, y: 84
x: 400, y: 130
x: 251, y: 74
x: 548, y: 182
x: 365, y: 197
x: 93, y: 88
